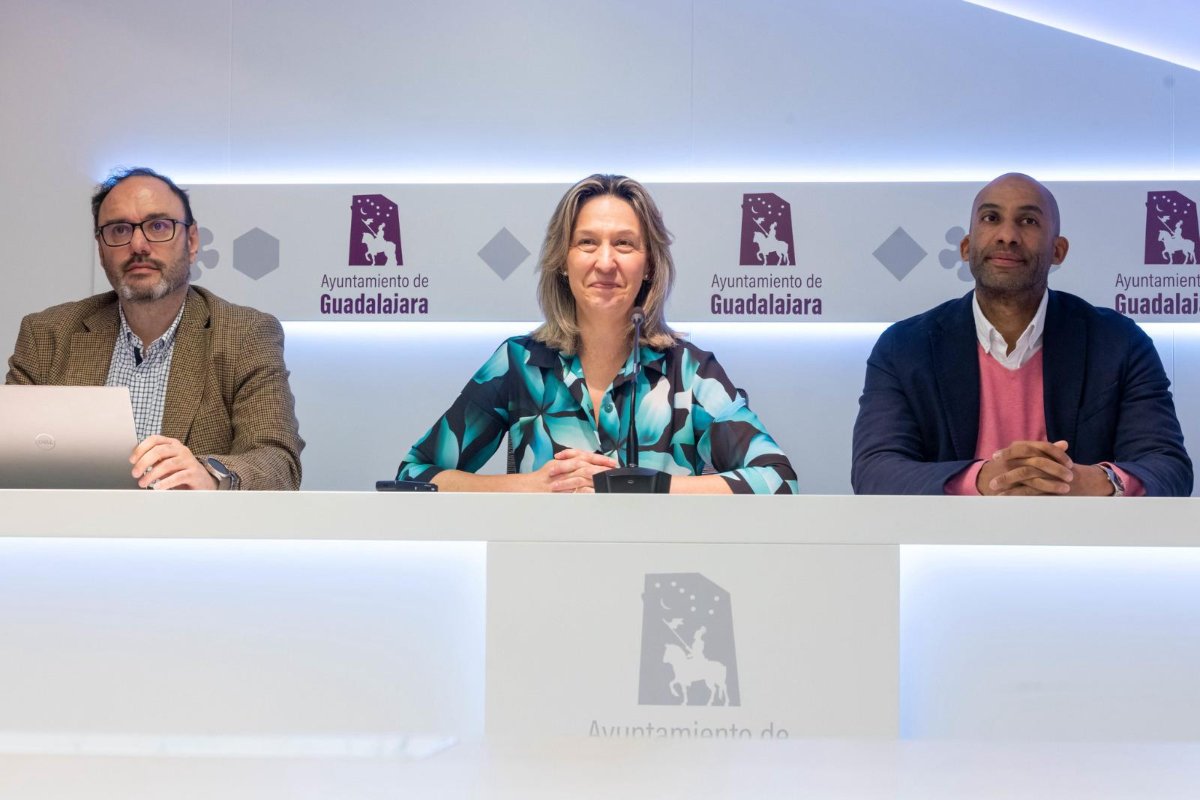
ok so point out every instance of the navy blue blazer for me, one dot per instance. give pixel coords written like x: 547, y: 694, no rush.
x: 1105, y: 393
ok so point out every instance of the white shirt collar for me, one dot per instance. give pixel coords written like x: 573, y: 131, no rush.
x: 1028, y: 343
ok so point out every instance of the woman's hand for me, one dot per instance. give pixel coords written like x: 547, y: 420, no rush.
x: 571, y: 471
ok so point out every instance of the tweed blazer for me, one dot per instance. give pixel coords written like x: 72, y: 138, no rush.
x: 227, y: 394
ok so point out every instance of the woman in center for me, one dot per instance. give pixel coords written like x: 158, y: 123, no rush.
x: 562, y: 393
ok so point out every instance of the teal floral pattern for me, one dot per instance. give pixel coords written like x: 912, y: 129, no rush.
x: 689, y: 414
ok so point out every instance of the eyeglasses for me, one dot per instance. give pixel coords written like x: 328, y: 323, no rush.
x: 116, y: 234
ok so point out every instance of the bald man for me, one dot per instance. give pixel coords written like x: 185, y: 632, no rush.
x: 1015, y: 389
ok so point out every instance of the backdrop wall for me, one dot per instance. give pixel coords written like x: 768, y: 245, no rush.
x: 373, y: 93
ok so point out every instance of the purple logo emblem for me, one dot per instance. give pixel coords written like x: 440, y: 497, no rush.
x: 374, y: 232
x: 767, y: 231
x: 1171, y: 229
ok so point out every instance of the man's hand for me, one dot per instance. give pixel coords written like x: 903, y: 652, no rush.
x: 161, y: 462
x: 1040, y: 468
x: 1025, y: 468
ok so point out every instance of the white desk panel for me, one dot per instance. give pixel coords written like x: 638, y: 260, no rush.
x: 344, y: 614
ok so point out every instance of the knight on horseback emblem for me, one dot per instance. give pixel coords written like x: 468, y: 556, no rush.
x: 1173, y: 242
x: 374, y: 232
x: 768, y: 244
x: 376, y: 244
x: 766, y: 231
x: 688, y: 654
x: 689, y: 666
x: 1172, y: 228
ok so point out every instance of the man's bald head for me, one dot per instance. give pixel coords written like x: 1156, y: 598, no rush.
x: 1048, y: 203
x: 1014, y: 241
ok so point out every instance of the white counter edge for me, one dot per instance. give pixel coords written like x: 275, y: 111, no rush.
x: 806, y: 519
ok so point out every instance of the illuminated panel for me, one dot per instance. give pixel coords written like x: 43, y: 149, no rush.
x: 265, y: 640
x: 1049, y: 642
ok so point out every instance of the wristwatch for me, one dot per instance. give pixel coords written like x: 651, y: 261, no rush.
x: 1115, y: 479
x: 220, y: 472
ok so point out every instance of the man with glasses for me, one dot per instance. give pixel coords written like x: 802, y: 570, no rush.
x: 211, y: 400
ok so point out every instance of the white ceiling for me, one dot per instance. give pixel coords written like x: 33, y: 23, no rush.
x: 1163, y: 29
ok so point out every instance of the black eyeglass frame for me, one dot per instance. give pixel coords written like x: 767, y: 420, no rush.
x: 100, y: 231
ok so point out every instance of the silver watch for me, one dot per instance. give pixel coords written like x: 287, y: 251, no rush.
x: 220, y: 472
x: 1115, y: 479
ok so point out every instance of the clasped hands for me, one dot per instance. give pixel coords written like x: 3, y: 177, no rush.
x: 570, y: 471
x: 160, y: 462
x: 1040, y: 468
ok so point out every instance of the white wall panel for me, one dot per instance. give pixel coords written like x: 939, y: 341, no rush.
x: 73, y: 88
x: 544, y: 90
x: 942, y: 87
x: 466, y: 87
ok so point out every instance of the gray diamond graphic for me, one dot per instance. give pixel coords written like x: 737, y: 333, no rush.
x: 503, y: 253
x: 256, y: 253
x: 899, y: 254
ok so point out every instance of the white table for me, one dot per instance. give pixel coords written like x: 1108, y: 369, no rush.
x: 358, y: 614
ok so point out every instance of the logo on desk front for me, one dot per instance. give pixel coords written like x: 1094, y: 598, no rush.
x: 688, y: 656
x: 1172, y: 230
x: 767, y: 231
x: 374, y: 232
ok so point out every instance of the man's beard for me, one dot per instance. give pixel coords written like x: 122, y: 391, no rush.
x: 1030, y: 276
x: 170, y: 278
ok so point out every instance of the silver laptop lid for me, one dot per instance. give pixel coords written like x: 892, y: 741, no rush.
x: 66, y: 437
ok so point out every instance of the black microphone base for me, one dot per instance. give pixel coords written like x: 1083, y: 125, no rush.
x: 632, y: 480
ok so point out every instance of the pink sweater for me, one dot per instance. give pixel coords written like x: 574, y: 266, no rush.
x: 1011, y: 409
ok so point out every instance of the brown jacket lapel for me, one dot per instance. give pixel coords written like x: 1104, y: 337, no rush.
x: 189, y: 365
x: 92, y: 349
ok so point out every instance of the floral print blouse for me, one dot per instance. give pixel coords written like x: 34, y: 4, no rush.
x: 689, y: 414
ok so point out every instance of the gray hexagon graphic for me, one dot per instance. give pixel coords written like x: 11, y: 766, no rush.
x: 256, y: 254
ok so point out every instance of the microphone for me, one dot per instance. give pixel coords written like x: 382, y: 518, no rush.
x: 637, y: 317
x: 632, y: 479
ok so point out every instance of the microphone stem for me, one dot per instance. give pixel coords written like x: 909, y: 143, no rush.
x: 631, y: 441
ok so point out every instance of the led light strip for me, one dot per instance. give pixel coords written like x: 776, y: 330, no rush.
x: 738, y: 175
x: 440, y: 329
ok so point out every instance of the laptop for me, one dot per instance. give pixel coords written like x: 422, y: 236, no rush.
x: 66, y: 437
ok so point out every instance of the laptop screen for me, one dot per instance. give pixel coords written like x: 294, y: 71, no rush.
x: 66, y: 437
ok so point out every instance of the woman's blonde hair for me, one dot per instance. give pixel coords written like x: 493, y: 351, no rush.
x: 561, y: 328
